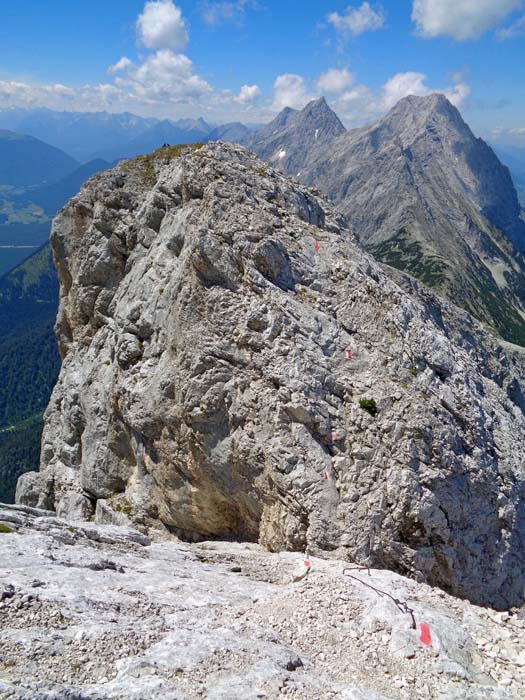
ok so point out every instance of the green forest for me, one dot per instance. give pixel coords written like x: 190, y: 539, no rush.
x: 29, y: 364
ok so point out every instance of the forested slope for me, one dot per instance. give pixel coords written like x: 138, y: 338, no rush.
x: 29, y: 363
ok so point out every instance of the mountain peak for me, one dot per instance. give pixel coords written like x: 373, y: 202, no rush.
x: 414, y: 115
x: 320, y: 101
x: 426, y: 107
x: 432, y: 101
x: 319, y: 114
x: 319, y: 106
x: 293, y: 135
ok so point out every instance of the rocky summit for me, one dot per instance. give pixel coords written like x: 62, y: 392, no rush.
x: 235, y: 366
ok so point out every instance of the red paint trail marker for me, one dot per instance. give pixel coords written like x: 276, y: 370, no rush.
x: 317, y: 247
x: 325, y: 476
x: 425, y: 634
x: 349, y: 354
x: 306, y: 562
x: 335, y: 435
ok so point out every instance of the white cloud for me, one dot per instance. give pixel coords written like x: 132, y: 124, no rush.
x: 335, y: 81
x: 508, y: 136
x: 460, y: 19
x: 247, y: 94
x: 214, y: 12
x: 500, y: 130
x: 161, y: 26
x: 357, y: 20
x: 517, y: 28
x: 413, y: 83
x: 401, y: 85
x: 120, y: 65
x: 458, y: 94
x: 60, y: 97
x: 164, y: 76
x: 357, y: 105
x: 361, y: 105
x: 290, y: 90
x: 164, y: 83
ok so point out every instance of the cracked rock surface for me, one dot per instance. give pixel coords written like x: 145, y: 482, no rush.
x: 235, y: 366
x: 98, y: 612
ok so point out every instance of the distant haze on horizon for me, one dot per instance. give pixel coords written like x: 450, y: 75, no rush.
x: 244, y: 60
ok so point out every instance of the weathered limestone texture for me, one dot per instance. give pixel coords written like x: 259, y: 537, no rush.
x: 234, y: 365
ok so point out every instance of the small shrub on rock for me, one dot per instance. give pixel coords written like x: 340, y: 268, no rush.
x: 369, y: 405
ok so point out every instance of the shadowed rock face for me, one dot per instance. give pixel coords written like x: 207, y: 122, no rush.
x: 220, y: 329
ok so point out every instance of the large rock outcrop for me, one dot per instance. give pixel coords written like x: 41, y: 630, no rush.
x: 234, y: 365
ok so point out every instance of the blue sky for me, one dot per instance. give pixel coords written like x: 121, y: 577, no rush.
x: 246, y: 59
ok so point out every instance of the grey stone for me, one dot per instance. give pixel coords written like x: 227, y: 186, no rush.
x: 213, y: 431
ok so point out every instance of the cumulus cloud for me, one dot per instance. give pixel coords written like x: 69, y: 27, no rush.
x: 163, y: 82
x: 413, y: 83
x: 165, y: 76
x: 500, y: 131
x: 460, y: 19
x: 357, y: 20
x: 247, y: 94
x: 508, y: 136
x: 290, y: 90
x: 120, y: 65
x: 161, y: 26
x: 214, y: 12
x: 335, y: 81
x: 361, y: 105
x: 60, y: 97
x: 357, y: 105
x: 162, y: 77
x: 403, y: 84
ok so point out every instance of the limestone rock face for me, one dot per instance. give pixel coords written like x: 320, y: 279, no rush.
x: 234, y: 365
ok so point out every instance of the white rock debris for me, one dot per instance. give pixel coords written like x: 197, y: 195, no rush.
x: 94, y: 612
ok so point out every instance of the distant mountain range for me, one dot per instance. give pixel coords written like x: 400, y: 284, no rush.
x: 81, y: 134
x: 25, y: 161
x: 92, y: 135
x: 166, y: 131
x: 422, y: 194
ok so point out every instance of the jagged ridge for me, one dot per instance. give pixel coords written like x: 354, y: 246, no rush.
x: 424, y: 195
